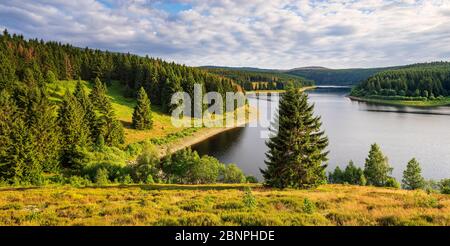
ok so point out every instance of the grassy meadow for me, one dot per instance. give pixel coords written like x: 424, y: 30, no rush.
x: 124, y: 109
x: 221, y: 204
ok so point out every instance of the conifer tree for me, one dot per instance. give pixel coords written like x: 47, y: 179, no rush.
x: 412, y: 176
x: 75, y: 134
x: 99, y: 96
x: 297, y: 153
x: 142, y: 115
x: 171, y: 87
x: 377, y: 168
x: 90, y: 116
x: 43, y: 124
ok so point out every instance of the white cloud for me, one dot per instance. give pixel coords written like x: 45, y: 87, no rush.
x: 274, y: 34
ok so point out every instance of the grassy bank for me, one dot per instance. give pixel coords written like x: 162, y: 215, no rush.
x: 221, y: 205
x: 422, y: 103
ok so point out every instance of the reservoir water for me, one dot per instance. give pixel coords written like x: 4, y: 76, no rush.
x: 402, y: 133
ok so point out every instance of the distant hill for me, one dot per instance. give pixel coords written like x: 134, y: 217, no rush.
x: 259, y: 79
x: 326, y: 76
x: 318, y: 74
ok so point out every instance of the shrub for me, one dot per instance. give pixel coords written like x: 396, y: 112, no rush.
x: 205, y: 171
x: 444, y: 186
x: 308, y: 206
x: 232, y: 174
x: 249, y: 200
x: 392, y: 182
x: 101, y: 177
x: 77, y: 181
x: 147, y: 165
x: 251, y: 179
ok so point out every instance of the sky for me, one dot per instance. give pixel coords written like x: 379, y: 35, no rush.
x: 280, y: 34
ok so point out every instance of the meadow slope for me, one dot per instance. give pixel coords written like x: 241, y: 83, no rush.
x: 221, y: 204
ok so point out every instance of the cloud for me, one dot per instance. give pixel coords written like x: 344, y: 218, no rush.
x: 271, y: 34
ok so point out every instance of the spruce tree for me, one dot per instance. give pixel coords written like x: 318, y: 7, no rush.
x: 43, y: 124
x: 142, y: 115
x: 99, y: 95
x: 412, y: 176
x: 75, y: 133
x: 297, y: 153
x: 90, y: 116
x: 377, y: 168
x: 171, y: 87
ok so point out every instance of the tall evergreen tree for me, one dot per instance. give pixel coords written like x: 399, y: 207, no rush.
x: 297, y: 153
x: 412, y: 176
x: 75, y: 133
x: 90, y: 116
x: 377, y: 168
x: 43, y: 124
x: 142, y: 115
x: 99, y: 95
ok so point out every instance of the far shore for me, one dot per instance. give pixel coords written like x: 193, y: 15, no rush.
x: 206, y: 133
x: 429, y: 103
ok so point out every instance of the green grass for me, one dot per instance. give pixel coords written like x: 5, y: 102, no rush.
x: 423, y: 103
x: 220, y: 204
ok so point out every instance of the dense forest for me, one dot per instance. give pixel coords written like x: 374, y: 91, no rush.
x: 32, y: 60
x: 414, y: 82
x: 341, y: 77
x: 79, y: 138
x: 259, y: 79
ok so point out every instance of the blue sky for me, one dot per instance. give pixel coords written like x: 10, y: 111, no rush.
x: 269, y: 34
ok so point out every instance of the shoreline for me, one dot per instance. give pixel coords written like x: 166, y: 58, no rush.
x: 279, y: 91
x: 420, y: 104
x: 201, y: 135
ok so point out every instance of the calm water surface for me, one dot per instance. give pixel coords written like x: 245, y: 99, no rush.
x: 402, y: 133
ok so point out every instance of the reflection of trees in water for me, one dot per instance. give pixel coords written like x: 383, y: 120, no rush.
x: 219, y: 143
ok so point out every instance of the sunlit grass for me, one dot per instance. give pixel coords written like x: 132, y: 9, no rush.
x: 220, y: 205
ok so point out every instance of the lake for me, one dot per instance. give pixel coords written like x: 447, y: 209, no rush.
x: 402, y: 133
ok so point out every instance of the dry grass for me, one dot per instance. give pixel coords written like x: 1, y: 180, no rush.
x: 220, y: 205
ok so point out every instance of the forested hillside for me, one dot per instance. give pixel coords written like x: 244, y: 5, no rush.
x: 253, y: 79
x: 341, y: 77
x: 59, y: 123
x: 426, y: 81
x: 32, y: 60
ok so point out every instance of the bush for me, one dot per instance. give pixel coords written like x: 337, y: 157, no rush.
x: 251, y: 179
x: 232, y: 174
x: 101, y: 177
x: 444, y: 186
x: 205, y: 171
x: 147, y: 166
x: 249, y: 200
x: 308, y: 206
x: 77, y: 181
x: 392, y: 182
x: 351, y: 175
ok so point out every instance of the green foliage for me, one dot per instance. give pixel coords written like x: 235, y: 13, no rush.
x: 377, y: 168
x: 444, y: 186
x: 146, y: 168
x: 412, y: 176
x: 414, y: 82
x: 308, y: 206
x: 297, y: 153
x: 251, y: 179
x: 261, y: 80
x: 230, y: 173
x: 392, y: 182
x: 142, y: 115
x: 249, y: 200
x: 351, y: 175
x: 102, y: 177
